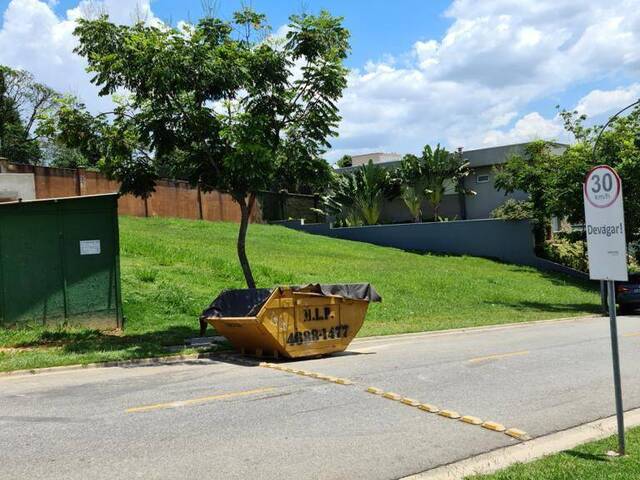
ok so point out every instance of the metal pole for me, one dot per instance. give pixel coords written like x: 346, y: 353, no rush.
x: 616, y: 365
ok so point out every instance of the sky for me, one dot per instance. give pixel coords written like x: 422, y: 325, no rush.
x: 463, y: 73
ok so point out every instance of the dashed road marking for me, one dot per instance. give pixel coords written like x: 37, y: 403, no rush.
x: 498, y: 356
x: 197, y: 401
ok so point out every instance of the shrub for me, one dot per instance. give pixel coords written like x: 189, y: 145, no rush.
x: 514, y: 210
x: 566, y: 252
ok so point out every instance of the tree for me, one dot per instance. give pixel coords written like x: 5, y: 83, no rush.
x: 532, y: 172
x: 345, y: 161
x: 554, y: 180
x: 301, y: 173
x: 231, y: 105
x: 412, y: 177
x: 356, y: 197
x: 427, y: 177
x: 369, y: 185
x: 22, y: 101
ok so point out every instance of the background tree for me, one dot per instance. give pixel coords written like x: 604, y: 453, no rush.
x: 356, y: 197
x: 22, y: 101
x: 532, y: 172
x: 412, y: 178
x: 428, y: 176
x: 228, y: 102
x: 345, y: 161
x: 553, y: 179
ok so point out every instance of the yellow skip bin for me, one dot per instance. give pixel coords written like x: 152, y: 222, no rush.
x: 291, y: 322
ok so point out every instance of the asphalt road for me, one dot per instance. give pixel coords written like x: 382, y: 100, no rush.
x: 217, y: 419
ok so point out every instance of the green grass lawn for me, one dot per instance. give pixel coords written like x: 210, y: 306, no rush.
x: 586, y: 462
x: 172, y: 269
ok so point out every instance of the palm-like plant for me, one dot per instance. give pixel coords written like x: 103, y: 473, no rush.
x: 427, y: 176
x: 356, y: 198
x: 370, y: 182
x: 413, y: 185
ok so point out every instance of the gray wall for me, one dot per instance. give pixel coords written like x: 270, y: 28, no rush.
x: 508, y: 241
x: 487, y: 197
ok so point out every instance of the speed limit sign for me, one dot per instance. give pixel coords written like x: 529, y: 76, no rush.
x: 604, y: 215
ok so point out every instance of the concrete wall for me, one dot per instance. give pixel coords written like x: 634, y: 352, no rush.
x: 17, y: 186
x: 487, y: 197
x: 507, y: 241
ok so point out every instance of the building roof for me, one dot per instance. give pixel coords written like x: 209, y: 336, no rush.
x: 479, y: 157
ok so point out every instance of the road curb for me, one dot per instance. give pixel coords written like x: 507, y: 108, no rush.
x: 167, y: 359
x: 164, y: 360
x: 484, y: 328
x: 527, y: 452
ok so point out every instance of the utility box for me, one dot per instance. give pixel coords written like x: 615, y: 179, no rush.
x: 59, y: 262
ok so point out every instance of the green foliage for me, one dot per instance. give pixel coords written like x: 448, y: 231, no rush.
x: 301, y: 173
x: 345, y: 161
x: 514, y: 210
x: 532, y: 172
x: 412, y: 176
x: 567, y: 252
x: 190, y: 262
x: 231, y: 106
x: 22, y: 100
x: 554, y: 180
x: 356, y: 197
x: 584, y: 462
x: 427, y: 177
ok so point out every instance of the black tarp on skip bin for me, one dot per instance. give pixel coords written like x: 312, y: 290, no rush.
x: 247, y: 302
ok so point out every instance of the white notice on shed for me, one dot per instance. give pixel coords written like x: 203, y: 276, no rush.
x: 89, y: 247
x: 604, y: 222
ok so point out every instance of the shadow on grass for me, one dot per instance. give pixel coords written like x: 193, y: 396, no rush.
x: 93, y: 341
x: 550, y: 307
x: 601, y: 457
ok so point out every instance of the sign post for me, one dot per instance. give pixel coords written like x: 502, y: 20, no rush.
x: 607, y: 248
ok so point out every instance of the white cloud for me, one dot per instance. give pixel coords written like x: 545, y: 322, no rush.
x: 34, y: 38
x: 472, y: 86
x: 599, y: 102
x: 530, y: 127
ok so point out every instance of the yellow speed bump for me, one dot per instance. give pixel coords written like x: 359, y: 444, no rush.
x: 343, y: 381
x: 392, y: 396
x: 518, y: 434
x: 471, y: 420
x: 410, y: 401
x: 495, y: 426
x: 428, y: 408
x: 375, y: 391
x: 449, y: 414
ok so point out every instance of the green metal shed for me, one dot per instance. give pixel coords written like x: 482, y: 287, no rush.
x: 59, y: 262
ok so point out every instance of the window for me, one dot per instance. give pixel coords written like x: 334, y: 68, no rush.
x: 482, y: 179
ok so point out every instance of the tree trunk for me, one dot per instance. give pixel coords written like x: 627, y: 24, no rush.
x: 436, y: 206
x: 245, y: 210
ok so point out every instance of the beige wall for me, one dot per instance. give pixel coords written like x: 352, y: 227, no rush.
x: 17, y: 186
